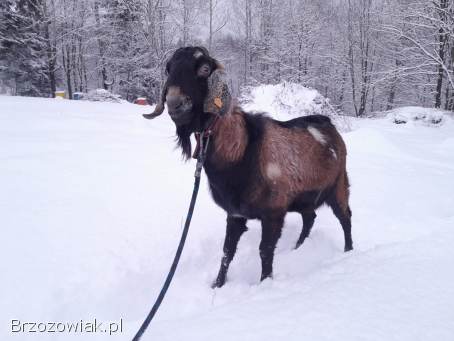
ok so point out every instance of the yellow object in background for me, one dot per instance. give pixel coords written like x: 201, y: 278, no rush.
x: 60, y: 94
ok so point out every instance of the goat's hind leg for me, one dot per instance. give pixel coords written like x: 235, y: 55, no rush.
x: 344, y: 217
x: 236, y: 226
x: 339, y: 204
x: 308, y: 222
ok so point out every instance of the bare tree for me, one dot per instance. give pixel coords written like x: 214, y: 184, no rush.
x: 365, y: 55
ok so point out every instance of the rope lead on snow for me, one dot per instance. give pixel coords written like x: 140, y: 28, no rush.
x: 198, y: 171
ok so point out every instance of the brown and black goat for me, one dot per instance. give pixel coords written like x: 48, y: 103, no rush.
x: 257, y: 167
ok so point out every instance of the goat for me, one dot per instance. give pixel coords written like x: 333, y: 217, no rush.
x: 257, y: 167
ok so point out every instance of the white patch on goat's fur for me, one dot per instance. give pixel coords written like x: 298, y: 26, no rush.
x: 273, y: 171
x: 333, y: 152
x: 198, y: 54
x: 317, y: 134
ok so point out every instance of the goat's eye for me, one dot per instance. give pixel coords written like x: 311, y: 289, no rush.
x: 204, y: 71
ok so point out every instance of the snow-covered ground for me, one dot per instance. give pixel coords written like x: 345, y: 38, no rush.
x: 92, y: 200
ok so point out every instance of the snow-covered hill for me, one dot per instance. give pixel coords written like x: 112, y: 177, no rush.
x: 92, y: 200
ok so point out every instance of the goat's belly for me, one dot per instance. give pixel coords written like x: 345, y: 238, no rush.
x: 234, y: 203
x: 310, y: 200
x: 251, y: 201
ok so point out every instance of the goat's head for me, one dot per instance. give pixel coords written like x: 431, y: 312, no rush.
x: 195, y: 86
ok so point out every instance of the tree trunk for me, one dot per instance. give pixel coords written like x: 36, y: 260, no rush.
x: 442, y: 41
x: 50, y: 51
x: 67, y: 69
x: 439, y: 85
x: 210, y: 41
x: 247, y: 43
x: 351, y: 60
x: 101, y: 48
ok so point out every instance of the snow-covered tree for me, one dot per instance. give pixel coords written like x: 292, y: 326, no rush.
x: 365, y: 55
x: 22, y: 46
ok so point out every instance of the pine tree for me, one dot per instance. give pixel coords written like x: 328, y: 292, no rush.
x: 22, y: 48
x: 126, y: 55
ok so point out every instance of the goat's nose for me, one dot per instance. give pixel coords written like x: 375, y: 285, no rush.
x: 174, y: 102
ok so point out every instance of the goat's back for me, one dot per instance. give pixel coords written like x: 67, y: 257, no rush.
x: 300, y: 155
x: 305, y: 121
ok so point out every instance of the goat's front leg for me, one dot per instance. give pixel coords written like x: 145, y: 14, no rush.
x: 236, y: 226
x: 271, y: 232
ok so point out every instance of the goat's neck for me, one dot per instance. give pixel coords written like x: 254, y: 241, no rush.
x: 229, y: 139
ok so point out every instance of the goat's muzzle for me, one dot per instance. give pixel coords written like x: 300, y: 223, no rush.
x: 179, y: 106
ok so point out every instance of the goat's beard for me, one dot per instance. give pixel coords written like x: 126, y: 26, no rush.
x: 185, y: 131
x: 184, y: 140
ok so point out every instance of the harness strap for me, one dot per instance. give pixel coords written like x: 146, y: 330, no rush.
x: 205, y: 134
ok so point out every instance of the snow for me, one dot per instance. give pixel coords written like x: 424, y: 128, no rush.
x: 92, y: 202
x: 418, y: 116
x: 102, y: 95
x: 288, y: 100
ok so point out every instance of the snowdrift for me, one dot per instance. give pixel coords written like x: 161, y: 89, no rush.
x: 102, y: 95
x: 286, y: 100
x: 418, y: 116
x: 92, y: 202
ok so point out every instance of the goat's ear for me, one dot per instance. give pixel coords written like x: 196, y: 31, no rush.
x: 219, y: 98
x: 160, y: 105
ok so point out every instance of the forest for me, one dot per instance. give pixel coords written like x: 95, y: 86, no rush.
x: 364, y: 55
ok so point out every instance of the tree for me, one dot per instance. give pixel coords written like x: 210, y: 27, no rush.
x: 427, y: 28
x: 365, y: 55
x: 22, y: 46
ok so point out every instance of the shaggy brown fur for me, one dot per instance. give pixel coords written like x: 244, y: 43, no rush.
x: 290, y: 160
x: 229, y: 138
x: 257, y: 167
x: 297, y: 167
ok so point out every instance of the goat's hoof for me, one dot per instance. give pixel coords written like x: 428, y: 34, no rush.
x: 298, y: 244
x: 263, y: 277
x: 348, y: 248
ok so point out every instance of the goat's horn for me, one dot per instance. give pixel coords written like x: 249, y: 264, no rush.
x: 159, y: 106
x: 219, y: 99
x: 204, y: 50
